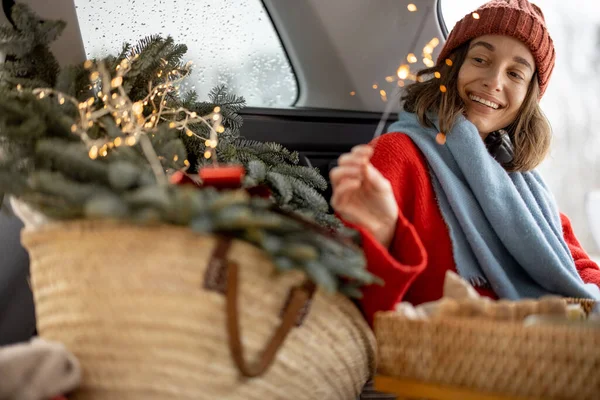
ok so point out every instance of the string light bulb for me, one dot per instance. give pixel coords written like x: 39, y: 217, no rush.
x: 403, y: 71
x: 137, y: 108
x: 93, y: 153
x: 383, y: 95
x: 116, y: 82
x: 130, y: 116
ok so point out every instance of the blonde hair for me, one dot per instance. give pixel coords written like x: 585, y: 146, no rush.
x: 530, y: 133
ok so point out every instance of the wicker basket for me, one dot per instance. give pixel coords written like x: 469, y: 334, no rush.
x: 549, y: 362
x: 160, y: 313
x: 587, y: 305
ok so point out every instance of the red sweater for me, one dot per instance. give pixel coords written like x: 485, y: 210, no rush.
x: 415, y: 265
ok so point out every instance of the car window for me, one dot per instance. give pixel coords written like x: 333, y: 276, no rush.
x: 571, y: 102
x: 230, y: 42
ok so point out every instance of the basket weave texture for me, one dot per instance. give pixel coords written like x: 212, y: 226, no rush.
x: 130, y: 303
x: 550, y: 362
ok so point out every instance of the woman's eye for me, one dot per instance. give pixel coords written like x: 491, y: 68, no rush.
x: 478, y: 60
x: 515, y: 75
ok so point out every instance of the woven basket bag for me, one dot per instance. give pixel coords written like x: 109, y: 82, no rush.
x: 505, y: 358
x: 163, y: 313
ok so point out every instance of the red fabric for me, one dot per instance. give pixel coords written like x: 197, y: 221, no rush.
x: 421, y: 252
x: 588, y: 269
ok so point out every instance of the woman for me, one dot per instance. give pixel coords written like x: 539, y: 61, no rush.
x: 453, y: 185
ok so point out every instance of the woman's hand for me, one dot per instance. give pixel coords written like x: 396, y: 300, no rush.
x: 363, y: 196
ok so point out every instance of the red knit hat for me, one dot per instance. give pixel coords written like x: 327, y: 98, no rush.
x: 517, y: 18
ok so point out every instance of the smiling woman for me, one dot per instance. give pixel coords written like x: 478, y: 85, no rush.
x: 570, y: 103
x: 430, y: 196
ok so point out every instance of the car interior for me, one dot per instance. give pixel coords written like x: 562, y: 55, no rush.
x: 347, y: 62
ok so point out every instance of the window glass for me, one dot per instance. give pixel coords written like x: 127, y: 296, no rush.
x: 571, y: 102
x: 231, y: 42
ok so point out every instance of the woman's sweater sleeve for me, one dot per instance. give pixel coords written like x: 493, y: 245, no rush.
x: 406, y: 257
x: 588, y: 269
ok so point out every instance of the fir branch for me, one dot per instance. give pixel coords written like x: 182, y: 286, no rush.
x: 309, y: 175
x: 12, y: 183
x: 155, y: 54
x: 55, y: 207
x: 189, y: 100
x: 28, y: 50
x: 257, y: 170
x: 269, y: 152
x: 44, y: 31
x: 126, y: 50
x: 16, y: 156
x: 143, y: 44
x: 308, y: 197
x: 43, y: 65
x: 230, y: 104
x: 282, y: 186
x: 14, y: 42
x: 74, y: 81
x: 328, y: 220
x: 219, y: 95
x: 20, y: 118
x: 71, y: 159
x: 154, y: 49
x: 58, y: 185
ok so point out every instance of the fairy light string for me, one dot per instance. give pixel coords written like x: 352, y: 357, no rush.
x: 136, y: 120
x: 405, y: 73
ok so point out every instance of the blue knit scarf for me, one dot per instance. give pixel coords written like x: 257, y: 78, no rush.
x: 505, y: 227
